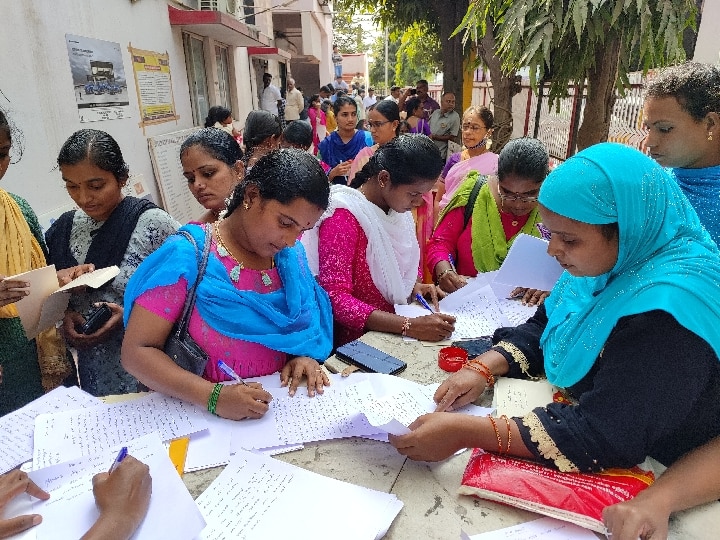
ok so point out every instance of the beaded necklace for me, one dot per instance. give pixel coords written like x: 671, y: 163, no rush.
x: 235, y: 272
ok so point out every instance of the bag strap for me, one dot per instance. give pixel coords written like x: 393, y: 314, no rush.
x: 184, y: 322
x: 470, y: 205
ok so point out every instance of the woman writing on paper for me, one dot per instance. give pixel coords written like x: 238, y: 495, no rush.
x: 108, y: 229
x: 212, y: 165
x: 631, y: 329
x: 257, y: 307
x: 24, y: 364
x: 503, y: 207
x: 365, y: 251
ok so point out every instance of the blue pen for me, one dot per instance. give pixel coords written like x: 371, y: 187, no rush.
x: 230, y: 372
x: 424, y: 302
x: 452, y: 262
x: 122, y: 454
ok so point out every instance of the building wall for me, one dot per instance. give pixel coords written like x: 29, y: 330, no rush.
x: 707, y: 47
x: 39, y: 96
x: 38, y: 90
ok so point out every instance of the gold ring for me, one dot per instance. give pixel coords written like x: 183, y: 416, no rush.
x: 318, y: 370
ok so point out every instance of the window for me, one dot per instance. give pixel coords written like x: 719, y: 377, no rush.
x: 197, y: 80
x: 223, y: 75
x: 249, y: 8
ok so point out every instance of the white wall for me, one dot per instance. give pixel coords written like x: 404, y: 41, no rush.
x: 707, y: 48
x: 35, y: 77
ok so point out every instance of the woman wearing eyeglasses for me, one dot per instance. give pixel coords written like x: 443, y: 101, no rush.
x: 504, y: 207
x: 382, y: 122
x: 476, y: 129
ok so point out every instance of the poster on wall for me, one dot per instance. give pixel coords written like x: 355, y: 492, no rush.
x: 154, y: 86
x: 99, y: 79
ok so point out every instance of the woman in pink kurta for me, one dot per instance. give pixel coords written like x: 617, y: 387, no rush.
x: 246, y: 358
x: 365, y: 250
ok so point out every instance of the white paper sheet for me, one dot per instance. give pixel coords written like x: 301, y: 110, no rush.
x: 69, y: 435
x: 475, y: 308
x: 71, y: 509
x: 295, y: 420
x: 210, y: 447
x: 46, y: 303
x: 540, y: 529
x: 517, y: 397
x: 17, y: 427
x: 256, y: 497
x: 528, y: 265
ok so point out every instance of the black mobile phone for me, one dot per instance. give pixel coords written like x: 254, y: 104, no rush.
x: 369, y: 358
x: 413, y: 91
x: 95, y: 319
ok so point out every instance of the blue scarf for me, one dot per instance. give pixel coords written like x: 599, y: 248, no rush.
x: 666, y: 260
x: 296, y: 319
x: 334, y: 151
x: 702, y: 188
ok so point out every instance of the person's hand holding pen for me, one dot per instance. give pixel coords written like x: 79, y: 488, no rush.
x: 122, y: 496
x: 240, y: 401
x: 434, y: 327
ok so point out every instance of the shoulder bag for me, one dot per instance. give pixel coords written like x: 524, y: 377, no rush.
x: 180, y: 346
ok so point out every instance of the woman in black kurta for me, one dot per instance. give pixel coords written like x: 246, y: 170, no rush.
x: 631, y: 329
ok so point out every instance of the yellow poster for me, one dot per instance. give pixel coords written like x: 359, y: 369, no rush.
x: 154, y: 86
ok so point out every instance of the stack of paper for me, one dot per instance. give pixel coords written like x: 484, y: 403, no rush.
x: 257, y: 497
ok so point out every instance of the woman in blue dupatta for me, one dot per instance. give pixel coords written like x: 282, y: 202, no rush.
x: 631, y: 330
x: 339, y: 148
x: 257, y: 308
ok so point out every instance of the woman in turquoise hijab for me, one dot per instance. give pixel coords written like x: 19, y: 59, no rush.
x: 631, y: 330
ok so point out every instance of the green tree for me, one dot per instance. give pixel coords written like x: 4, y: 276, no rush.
x: 348, y: 34
x: 586, y: 42
x: 438, y: 16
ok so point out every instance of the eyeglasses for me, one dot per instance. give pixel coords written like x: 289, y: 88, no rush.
x: 518, y: 198
x: 472, y: 127
x: 375, y: 125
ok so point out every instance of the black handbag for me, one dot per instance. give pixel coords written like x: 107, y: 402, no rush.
x: 180, y: 346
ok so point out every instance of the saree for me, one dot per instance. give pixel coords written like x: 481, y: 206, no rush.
x: 486, y: 163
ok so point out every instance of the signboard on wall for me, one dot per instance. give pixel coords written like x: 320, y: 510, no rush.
x: 176, y: 197
x: 99, y: 81
x: 154, y: 86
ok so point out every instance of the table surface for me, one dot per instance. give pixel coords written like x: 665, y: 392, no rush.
x: 432, y: 508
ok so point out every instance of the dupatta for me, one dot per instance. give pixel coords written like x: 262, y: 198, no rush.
x: 486, y: 163
x: 666, y: 259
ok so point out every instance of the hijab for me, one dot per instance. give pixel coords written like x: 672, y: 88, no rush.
x: 666, y: 260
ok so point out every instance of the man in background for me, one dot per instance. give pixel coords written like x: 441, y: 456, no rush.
x: 294, y: 103
x: 370, y: 99
x: 359, y: 98
x: 394, y: 93
x: 421, y: 90
x: 270, y: 98
x: 337, y: 61
x: 444, y: 123
x: 341, y: 84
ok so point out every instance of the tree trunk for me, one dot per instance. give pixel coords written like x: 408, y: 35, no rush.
x: 502, y: 86
x: 450, y: 15
x: 600, y: 100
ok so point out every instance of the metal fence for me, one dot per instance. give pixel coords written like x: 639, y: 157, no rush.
x: 557, y: 126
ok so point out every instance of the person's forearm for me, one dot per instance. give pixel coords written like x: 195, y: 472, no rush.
x: 480, y: 433
x: 692, y: 480
x: 111, y: 528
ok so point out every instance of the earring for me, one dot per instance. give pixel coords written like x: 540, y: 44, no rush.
x: 382, y: 184
x: 710, y: 136
x: 246, y: 206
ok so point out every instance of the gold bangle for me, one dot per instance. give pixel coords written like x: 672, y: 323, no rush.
x: 497, y: 434
x: 443, y: 273
x: 405, y: 326
x: 507, y: 422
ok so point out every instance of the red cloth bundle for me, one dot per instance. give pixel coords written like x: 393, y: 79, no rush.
x: 575, y: 497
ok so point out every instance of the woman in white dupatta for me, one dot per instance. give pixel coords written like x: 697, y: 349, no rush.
x: 364, y: 247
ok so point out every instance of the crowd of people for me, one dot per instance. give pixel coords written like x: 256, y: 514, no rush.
x: 313, y: 234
